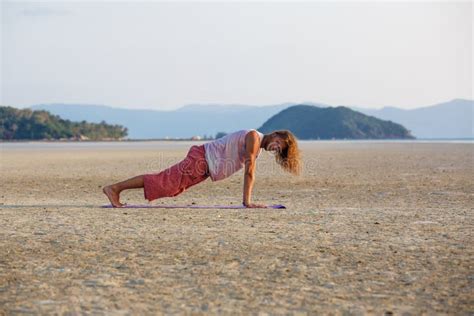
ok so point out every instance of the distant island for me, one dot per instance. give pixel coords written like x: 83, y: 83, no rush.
x: 310, y: 122
x: 448, y: 120
x: 26, y: 124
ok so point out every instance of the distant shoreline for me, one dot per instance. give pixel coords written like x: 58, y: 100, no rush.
x: 205, y: 140
x: 102, y: 141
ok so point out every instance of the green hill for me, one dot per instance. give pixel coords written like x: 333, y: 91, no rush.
x: 310, y: 122
x: 26, y: 124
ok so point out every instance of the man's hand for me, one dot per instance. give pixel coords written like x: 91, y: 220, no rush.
x: 254, y: 205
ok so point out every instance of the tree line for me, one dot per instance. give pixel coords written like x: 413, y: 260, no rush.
x: 25, y: 124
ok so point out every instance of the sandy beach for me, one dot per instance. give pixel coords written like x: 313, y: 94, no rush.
x: 370, y: 227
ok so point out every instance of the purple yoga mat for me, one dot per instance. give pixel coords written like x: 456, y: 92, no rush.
x: 275, y: 206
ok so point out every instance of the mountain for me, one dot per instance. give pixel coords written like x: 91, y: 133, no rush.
x: 310, y: 122
x: 453, y: 119
x: 33, y: 125
x: 181, y: 123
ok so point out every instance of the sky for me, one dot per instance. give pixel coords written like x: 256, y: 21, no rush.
x: 163, y: 55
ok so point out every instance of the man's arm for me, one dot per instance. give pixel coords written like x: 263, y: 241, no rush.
x: 252, y: 146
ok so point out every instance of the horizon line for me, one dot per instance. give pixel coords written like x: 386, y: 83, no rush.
x: 311, y: 103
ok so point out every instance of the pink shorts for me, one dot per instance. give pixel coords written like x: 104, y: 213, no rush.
x: 177, y: 178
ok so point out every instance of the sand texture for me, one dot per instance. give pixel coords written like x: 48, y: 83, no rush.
x: 371, y: 227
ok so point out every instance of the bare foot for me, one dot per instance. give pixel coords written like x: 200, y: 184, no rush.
x: 113, y: 196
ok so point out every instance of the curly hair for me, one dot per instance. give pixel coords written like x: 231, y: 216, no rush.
x: 289, y: 158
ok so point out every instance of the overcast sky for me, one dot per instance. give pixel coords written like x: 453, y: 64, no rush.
x: 163, y: 55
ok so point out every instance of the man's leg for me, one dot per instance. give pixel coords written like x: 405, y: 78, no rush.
x: 177, y: 178
x: 113, y: 191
